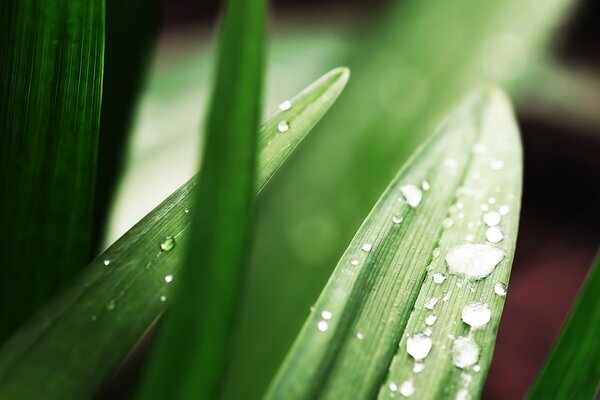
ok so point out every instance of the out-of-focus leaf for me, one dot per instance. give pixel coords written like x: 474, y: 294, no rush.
x: 439, y: 241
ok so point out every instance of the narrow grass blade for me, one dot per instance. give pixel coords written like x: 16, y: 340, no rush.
x: 78, y: 340
x: 50, y: 88
x: 393, y: 281
x: 572, y: 370
x: 125, y: 63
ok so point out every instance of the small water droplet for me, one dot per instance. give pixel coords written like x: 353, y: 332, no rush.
x: 497, y: 164
x: 283, y: 126
x: 504, y: 210
x: 500, y: 289
x: 412, y: 194
x: 447, y: 223
x: 436, y: 252
x: 477, y: 368
x: 163, y: 298
x: 322, y: 326
x: 484, y: 207
x: 430, y: 304
x: 407, y: 389
x: 396, y: 219
x: 418, y: 346
x: 430, y: 320
x: 446, y: 297
x: 476, y: 314
x: 480, y: 148
x: 187, y: 210
x: 106, y: 262
x: 286, y: 105
x: 393, y: 387
x: 469, y: 238
x: 360, y: 336
x: 463, y: 394
x: 354, y: 262
x: 427, y: 332
x: 473, y: 260
x: 492, y: 200
x: 94, y: 318
x: 367, y: 247
x: 451, y: 162
x: 439, y: 278
x: 326, y: 314
x: 491, y: 218
x: 425, y: 185
x: 494, y: 234
x: 418, y: 367
x: 111, y: 305
x: 169, y: 278
x: 465, y: 352
x: 167, y: 243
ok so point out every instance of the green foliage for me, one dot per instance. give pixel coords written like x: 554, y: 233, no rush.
x: 572, y: 370
x: 79, y: 339
x: 51, y: 55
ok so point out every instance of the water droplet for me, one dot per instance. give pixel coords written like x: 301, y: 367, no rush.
x: 497, y: 164
x: 111, y: 305
x: 94, y: 318
x: 187, y: 210
x: 412, y: 194
x: 484, y: 207
x: 504, y: 210
x: 326, y: 314
x: 500, y: 289
x: 396, y: 219
x: 463, y: 394
x: 169, y: 278
x: 469, y: 238
x: 473, y: 260
x: 430, y: 304
x: 476, y: 314
x: 439, y: 278
x: 283, y: 126
x: 167, y: 243
x: 446, y: 297
x: 407, y: 389
x: 427, y: 332
x: 494, y: 234
x: 163, y: 298
x: 425, y: 185
x: 491, y: 218
x: 322, y: 326
x: 360, y: 336
x: 106, y: 262
x: 447, y: 223
x: 354, y: 262
x: 393, y: 386
x: 430, y: 320
x: 418, y: 346
x: 286, y: 105
x: 492, y: 200
x: 367, y: 247
x: 418, y: 367
x: 451, y: 162
x: 465, y: 352
x: 480, y: 148
x: 477, y: 368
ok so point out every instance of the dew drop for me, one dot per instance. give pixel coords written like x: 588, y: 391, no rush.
x: 286, y: 105
x: 106, y: 262
x: 167, y: 243
x: 480, y: 148
x: 427, y: 332
x: 407, y: 389
x: 465, y: 352
x: 497, y: 164
x: 492, y: 200
x: 476, y: 314
x: 484, y: 207
x: 430, y: 304
x: 439, y: 278
x: 504, y: 210
x: 491, y: 218
x: 418, y: 367
x: 477, y: 368
x: 322, y: 326
x: 425, y: 185
x: 463, y: 394
x: 283, y: 126
x: 469, y: 238
x: 494, y: 234
x: 418, y: 346
x: 393, y: 387
x: 500, y: 289
x: 367, y: 247
x: 447, y: 223
x: 354, y: 262
x: 111, y: 305
x: 451, y: 162
x: 412, y: 194
x: 163, y: 298
x: 360, y: 336
x: 326, y: 314
x: 430, y: 320
x: 186, y: 210
x: 396, y: 219
x: 169, y: 278
x: 446, y: 297
x: 473, y: 260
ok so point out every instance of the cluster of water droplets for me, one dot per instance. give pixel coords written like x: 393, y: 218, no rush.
x: 283, y: 126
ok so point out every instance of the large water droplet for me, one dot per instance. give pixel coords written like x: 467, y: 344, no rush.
x: 476, y: 314
x: 286, y: 105
x: 474, y: 261
x: 412, y: 194
x: 491, y: 218
x: 407, y: 389
x: 418, y: 346
x: 465, y: 352
x: 494, y: 234
x: 500, y: 289
x: 283, y: 126
x: 367, y: 247
x: 167, y: 243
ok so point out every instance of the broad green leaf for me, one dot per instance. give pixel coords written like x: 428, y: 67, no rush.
x: 191, y: 352
x: 460, y: 192
x: 69, y: 349
x: 51, y: 55
x: 408, y: 68
x: 572, y: 370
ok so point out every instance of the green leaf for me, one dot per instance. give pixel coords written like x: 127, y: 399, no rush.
x: 51, y: 56
x: 69, y: 349
x: 572, y: 370
x: 191, y: 351
x: 354, y: 343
